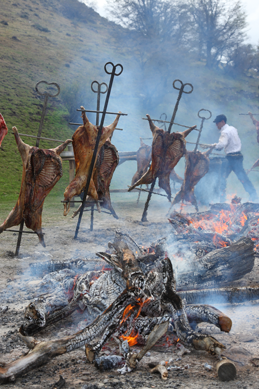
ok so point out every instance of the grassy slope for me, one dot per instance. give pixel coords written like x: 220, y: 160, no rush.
x: 52, y: 56
x: 72, y: 54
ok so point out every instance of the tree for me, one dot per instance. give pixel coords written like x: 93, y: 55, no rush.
x: 243, y: 59
x: 219, y: 27
x: 153, y: 19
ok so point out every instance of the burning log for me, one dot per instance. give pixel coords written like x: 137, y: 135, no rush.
x: 88, y: 295
x: 184, y: 230
x: 150, y: 293
x: 206, y: 313
x: 232, y: 221
x: 229, y: 294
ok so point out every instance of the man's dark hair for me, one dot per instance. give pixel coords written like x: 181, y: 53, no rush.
x: 219, y: 118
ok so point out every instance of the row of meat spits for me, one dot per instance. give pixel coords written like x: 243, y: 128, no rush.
x: 42, y: 169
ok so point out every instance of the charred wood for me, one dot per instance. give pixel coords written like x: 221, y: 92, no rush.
x: 220, y: 295
x: 154, y: 289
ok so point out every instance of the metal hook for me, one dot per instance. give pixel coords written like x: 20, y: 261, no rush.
x: 47, y: 93
x: 182, y: 86
x: 163, y: 115
x: 98, y: 91
x: 113, y: 68
x: 181, y: 91
x: 203, y: 117
x: 99, y: 87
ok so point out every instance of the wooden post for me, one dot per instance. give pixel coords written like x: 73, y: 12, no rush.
x: 226, y: 370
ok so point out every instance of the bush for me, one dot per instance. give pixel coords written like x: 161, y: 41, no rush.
x: 40, y: 28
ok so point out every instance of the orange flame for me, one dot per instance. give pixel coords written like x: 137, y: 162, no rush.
x: 219, y: 242
x: 132, y: 339
x: 224, y: 222
x: 127, y: 312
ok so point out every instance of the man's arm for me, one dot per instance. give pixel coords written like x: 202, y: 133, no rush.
x: 223, y: 141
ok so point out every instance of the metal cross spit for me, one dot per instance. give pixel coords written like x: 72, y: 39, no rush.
x: 171, y: 123
x: 47, y: 95
x: 116, y: 71
x: 99, y: 91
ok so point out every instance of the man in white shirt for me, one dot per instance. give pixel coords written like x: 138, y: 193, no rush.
x: 230, y: 141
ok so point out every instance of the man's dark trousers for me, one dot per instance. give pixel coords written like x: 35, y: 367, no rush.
x: 234, y: 162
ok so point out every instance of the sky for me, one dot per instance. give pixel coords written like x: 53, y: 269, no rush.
x: 250, y: 6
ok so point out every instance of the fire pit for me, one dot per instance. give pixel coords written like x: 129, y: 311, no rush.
x: 190, y: 365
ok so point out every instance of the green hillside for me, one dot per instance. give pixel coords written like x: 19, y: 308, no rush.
x: 68, y: 43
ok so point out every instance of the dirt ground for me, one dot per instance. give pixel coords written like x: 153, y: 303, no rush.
x: 188, y: 371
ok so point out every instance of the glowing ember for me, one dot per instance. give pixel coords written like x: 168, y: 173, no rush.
x: 132, y: 339
x: 219, y: 242
x: 223, y: 223
x: 127, y: 312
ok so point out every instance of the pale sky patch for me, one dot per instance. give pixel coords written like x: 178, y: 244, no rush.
x: 250, y: 6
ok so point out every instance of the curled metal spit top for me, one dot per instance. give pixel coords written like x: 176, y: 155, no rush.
x: 47, y: 93
x: 99, y: 87
x: 182, y: 86
x: 114, y: 67
x: 204, y: 117
x: 163, y: 116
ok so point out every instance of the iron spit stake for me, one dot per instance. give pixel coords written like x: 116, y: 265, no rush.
x: 99, y: 92
x: 113, y: 74
x: 201, y: 127
x: 46, y: 94
x: 181, y: 91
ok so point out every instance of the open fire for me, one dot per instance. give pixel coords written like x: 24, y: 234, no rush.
x: 145, y: 309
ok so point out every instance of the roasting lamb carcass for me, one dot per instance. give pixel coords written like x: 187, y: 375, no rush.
x: 107, y: 161
x: 197, y: 165
x: 84, y: 140
x: 167, y: 150
x: 42, y: 169
x: 143, y: 161
x: 3, y: 129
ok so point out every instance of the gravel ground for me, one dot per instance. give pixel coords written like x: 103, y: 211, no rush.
x: 16, y: 290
